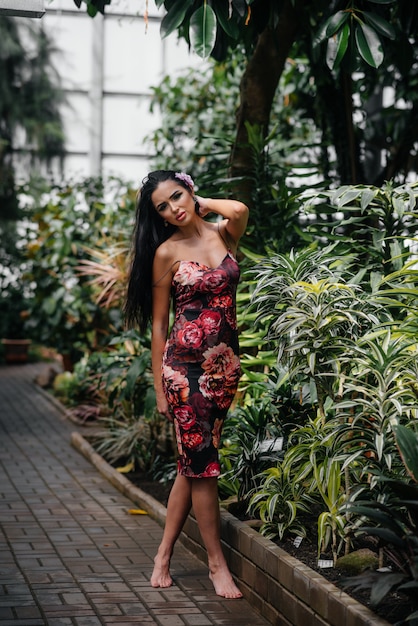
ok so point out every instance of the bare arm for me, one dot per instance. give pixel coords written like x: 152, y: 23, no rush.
x: 160, y: 320
x: 235, y: 214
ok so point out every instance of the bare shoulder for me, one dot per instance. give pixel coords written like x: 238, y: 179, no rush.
x: 163, y: 252
x: 164, y: 261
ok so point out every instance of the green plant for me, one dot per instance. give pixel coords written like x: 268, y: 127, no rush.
x: 312, y: 317
x: 278, y: 500
x: 331, y: 522
x: 379, y: 392
x: 67, y: 221
x: 312, y: 460
x: 379, y: 223
x: 119, y: 381
x: 249, y: 438
x: 395, y: 526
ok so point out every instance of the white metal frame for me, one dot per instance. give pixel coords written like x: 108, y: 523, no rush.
x: 22, y: 8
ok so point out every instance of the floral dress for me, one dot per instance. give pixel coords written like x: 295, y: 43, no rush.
x: 201, y: 366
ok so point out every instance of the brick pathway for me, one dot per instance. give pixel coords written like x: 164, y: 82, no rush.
x: 70, y: 554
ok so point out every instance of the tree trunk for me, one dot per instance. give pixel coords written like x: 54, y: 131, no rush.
x: 258, y: 87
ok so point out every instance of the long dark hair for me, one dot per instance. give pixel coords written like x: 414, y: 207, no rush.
x: 149, y: 233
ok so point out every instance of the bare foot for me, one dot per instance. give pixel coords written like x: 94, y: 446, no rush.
x: 224, y: 584
x: 161, y: 573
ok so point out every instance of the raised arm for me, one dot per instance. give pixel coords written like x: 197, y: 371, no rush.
x: 235, y: 214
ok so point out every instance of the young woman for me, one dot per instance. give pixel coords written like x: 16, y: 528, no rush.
x: 179, y: 256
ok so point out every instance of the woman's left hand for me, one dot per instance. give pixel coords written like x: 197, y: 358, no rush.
x: 203, y: 207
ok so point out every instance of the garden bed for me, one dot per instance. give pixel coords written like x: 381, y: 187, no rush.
x: 287, y: 591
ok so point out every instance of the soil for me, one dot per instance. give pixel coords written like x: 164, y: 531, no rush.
x: 394, y: 608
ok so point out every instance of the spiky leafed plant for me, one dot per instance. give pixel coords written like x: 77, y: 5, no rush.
x: 380, y: 393
x: 312, y: 317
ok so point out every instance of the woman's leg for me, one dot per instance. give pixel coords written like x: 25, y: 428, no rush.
x: 205, y: 504
x: 178, y: 507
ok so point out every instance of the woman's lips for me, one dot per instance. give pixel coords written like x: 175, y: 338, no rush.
x: 180, y: 217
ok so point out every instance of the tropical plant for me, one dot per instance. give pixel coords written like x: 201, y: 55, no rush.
x: 251, y: 442
x: 67, y: 221
x: 312, y: 317
x: 279, y: 500
x: 380, y: 392
x: 380, y: 222
x: 395, y: 527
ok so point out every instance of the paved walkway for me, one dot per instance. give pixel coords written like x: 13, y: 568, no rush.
x: 70, y: 554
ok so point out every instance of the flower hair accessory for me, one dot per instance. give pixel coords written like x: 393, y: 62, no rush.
x: 185, y: 178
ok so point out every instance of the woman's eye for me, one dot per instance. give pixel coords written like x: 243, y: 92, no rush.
x: 177, y: 195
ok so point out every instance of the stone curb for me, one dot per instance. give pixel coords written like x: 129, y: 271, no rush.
x: 281, y: 588
x: 154, y: 508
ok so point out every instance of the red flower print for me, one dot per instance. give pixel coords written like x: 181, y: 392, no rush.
x: 214, y: 281
x: 190, y: 336
x: 213, y: 469
x: 221, y: 359
x: 185, y: 416
x: 221, y: 374
x: 187, y: 274
x: 176, y: 386
x: 178, y: 437
x: 210, y: 321
x: 193, y: 440
x: 225, y: 302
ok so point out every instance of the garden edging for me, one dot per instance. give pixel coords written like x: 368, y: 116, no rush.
x: 284, y: 590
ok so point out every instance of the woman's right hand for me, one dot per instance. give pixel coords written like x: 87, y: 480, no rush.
x: 162, y: 407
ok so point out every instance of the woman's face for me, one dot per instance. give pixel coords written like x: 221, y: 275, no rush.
x: 173, y: 203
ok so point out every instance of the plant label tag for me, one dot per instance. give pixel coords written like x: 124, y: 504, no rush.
x: 325, y: 563
x: 271, y: 445
x: 297, y: 541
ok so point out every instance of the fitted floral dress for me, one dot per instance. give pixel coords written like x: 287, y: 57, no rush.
x: 201, y: 366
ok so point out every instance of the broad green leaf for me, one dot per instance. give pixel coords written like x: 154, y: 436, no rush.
x: 321, y: 34
x: 399, y: 205
x: 335, y: 22
x: 337, y: 47
x: 384, y: 584
x: 349, y: 195
x: 135, y: 371
x: 173, y: 18
x: 380, y: 25
x: 203, y: 30
x: 369, y: 45
x: 343, y: 38
x: 407, y: 441
x: 229, y: 24
x: 367, y: 196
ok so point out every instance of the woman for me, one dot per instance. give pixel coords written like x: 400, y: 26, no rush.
x: 179, y: 255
